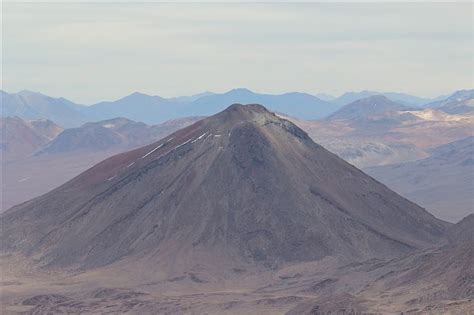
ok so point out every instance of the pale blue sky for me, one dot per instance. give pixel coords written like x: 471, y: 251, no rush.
x: 93, y: 52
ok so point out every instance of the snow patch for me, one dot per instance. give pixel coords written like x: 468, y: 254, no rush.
x: 109, y: 125
x: 178, y: 146
x: 436, y: 115
x: 130, y: 164
x: 199, y: 138
x: 161, y: 145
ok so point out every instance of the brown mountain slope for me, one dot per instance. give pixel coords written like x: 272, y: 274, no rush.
x: 240, y: 187
x: 21, y: 138
x: 31, y: 175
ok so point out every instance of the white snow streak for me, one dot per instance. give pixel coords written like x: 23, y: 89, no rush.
x: 130, y: 164
x: 153, y: 150
x: 173, y: 149
x: 199, y: 138
x: 181, y: 144
x: 23, y: 179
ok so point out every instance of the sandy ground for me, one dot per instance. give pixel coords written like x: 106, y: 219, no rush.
x: 297, y: 289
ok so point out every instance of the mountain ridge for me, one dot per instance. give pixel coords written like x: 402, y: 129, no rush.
x: 156, y: 109
x: 366, y: 107
x: 283, y: 207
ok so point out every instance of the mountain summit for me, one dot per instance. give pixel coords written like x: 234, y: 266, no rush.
x: 241, y: 187
x: 363, y: 108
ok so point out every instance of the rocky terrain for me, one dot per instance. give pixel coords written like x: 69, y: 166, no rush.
x: 238, y: 213
x: 371, y: 138
x: 33, y: 105
x: 244, y: 151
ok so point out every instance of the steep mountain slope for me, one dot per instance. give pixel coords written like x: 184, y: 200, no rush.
x: 363, y: 108
x: 442, y: 183
x: 20, y: 138
x: 241, y: 187
x: 462, y: 231
x: 32, y: 105
x: 40, y: 169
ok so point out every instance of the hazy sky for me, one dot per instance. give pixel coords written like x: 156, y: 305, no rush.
x: 93, y: 52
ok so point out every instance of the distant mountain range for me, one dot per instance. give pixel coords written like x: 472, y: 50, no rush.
x: 136, y: 106
x: 300, y: 105
x: 32, y: 105
x: 458, y: 96
x: 401, y: 98
x: 155, y: 109
x: 461, y: 102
